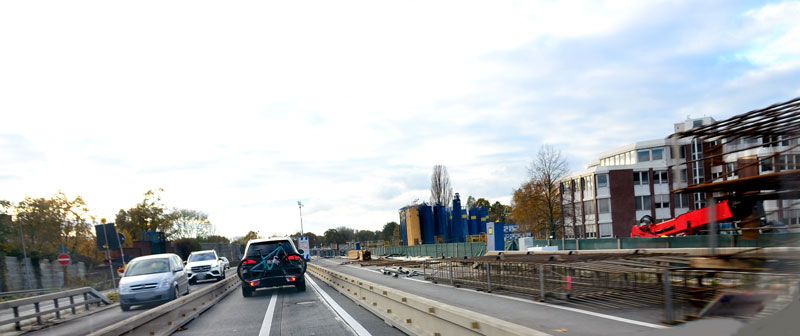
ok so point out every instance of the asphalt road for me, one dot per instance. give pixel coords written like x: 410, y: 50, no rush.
x: 319, y: 310
x: 95, y: 320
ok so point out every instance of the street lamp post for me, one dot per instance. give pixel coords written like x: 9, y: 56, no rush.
x: 300, y: 206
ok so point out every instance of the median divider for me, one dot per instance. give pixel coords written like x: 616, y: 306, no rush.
x: 167, y: 318
x: 416, y: 315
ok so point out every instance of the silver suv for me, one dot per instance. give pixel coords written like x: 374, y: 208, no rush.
x: 152, y: 279
x: 204, y: 265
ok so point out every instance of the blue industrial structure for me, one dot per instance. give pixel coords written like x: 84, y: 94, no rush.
x: 440, y: 225
x: 495, y: 237
x: 426, y: 223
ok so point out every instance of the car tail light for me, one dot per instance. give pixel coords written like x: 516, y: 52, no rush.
x: 249, y: 262
x: 291, y: 278
x: 293, y: 257
x: 254, y: 283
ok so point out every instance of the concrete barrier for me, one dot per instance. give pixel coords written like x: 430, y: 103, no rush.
x: 167, y: 318
x: 416, y: 315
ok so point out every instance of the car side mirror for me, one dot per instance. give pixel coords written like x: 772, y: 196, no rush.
x: 301, y: 251
x: 219, y: 259
x: 177, y: 269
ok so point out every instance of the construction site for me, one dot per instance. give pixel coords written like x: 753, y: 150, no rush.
x: 746, y: 274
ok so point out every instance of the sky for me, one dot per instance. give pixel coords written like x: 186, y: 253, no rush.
x: 241, y: 110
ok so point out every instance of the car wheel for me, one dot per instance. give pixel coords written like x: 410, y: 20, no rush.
x: 125, y: 307
x: 187, y: 290
x: 247, y: 292
x: 192, y: 282
x: 301, y: 286
x: 175, y: 293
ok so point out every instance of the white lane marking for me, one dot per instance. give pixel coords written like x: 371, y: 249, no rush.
x: 576, y: 310
x: 357, y: 327
x: 266, y: 325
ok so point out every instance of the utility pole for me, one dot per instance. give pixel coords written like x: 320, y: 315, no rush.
x: 300, y: 205
x: 25, y: 259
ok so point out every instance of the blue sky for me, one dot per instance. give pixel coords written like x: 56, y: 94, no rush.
x: 240, y: 110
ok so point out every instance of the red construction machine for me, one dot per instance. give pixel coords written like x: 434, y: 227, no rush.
x: 693, y: 221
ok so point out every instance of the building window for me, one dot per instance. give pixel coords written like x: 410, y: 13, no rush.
x: 681, y: 152
x: 643, y: 155
x: 680, y: 200
x: 662, y: 201
x: 731, y: 169
x: 583, y: 184
x: 658, y: 154
x: 683, y: 175
x: 603, y: 205
x: 660, y: 177
x: 697, y: 123
x: 766, y: 165
x: 642, y: 203
x: 602, y: 180
x: 640, y: 178
x: 588, y: 207
x: 699, y: 200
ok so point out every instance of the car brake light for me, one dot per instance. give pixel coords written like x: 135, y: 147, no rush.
x: 249, y: 262
x: 290, y: 278
x: 254, y: 283
x: 293, y: 257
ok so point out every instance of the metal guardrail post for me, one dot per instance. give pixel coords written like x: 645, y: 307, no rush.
x: 72, y: 303
x: 488, y: 277
x: 541, y: 282
x: 667, y: 297
x: 16, y: 314
x: 58, y: 312
x: 86, y: 298
x: 452, y: 280
x: 38, y: 317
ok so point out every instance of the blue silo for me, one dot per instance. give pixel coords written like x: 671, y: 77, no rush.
x: 426, y: 223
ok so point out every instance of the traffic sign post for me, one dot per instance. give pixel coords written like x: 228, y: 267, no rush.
x: 64, y: 260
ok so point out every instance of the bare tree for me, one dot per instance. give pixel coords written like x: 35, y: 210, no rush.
x: 546, y: 169
x: 441, y: 191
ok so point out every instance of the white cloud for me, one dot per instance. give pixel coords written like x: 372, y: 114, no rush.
x: 240, y: 110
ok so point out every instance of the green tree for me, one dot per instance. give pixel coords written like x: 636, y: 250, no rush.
x: 213, y: 239
x: 190, y: 224
x: 387, y: 233
x: 498, y: 212
x: 470, y: 202
x: 248, y: 237
x: 482, y: 202
x: 333, y: 236
x: 149, y: 215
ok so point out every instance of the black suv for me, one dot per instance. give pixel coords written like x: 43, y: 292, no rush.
x: 271, y: 262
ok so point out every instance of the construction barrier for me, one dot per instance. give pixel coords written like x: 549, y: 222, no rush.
x: 416, y: 315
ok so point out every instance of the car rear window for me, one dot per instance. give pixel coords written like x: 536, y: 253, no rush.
x: 201, y: 256
x: 149, y: 266
x: 263, y: 248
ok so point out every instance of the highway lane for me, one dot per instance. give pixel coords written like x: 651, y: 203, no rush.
x: 96, y: 320
x: 320, y: 310
x: 548, y: 318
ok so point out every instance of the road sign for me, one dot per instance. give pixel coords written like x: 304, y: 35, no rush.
x: 63, y: 259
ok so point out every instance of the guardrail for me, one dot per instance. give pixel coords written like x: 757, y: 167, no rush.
x: 416, y: 315
x: 57, y: 308
x: 167, y: 318
x: 28, y: 291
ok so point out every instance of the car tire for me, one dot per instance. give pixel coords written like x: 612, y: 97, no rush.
x: 301, y: 286
x: 247, y: 292
x: 187, y: 290
x: 175, y: 293
x: 125, y: 307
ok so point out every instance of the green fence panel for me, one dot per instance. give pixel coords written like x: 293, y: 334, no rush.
x: 598, y: 244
